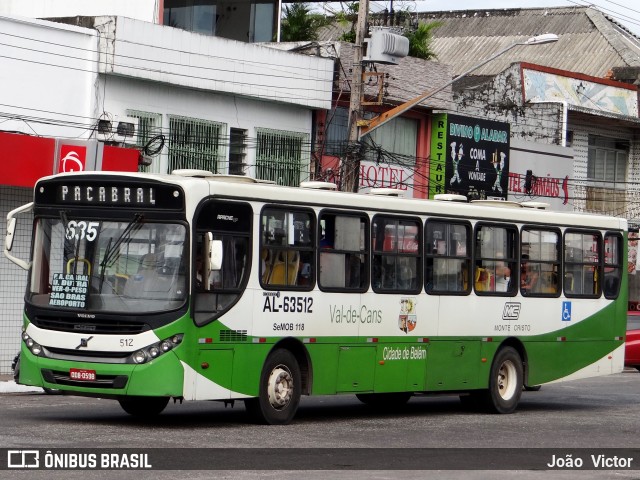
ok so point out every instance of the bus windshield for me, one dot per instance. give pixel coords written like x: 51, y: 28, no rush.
x: 109, y: 266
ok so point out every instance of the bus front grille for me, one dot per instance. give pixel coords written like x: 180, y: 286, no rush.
x: 101, y: 381
x: 75, y: 325
x: 86, y: 355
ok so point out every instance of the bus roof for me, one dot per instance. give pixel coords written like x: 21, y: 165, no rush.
x: 239, y: 187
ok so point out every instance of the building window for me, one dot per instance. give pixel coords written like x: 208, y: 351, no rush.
x: 246, y: 21
x: 337, y: 132
x: 606, y: 171
x: 195, y: 143
x: 237, y: 151
x: 282, y: 157
x: 149, y: 125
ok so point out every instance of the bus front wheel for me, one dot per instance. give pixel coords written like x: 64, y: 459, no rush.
x: 505, y: 382
x: 143, y: 406
x: 279, y: 391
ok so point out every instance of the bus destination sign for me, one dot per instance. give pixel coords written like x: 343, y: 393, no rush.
x: 113, y: 195
x: 89, y: 193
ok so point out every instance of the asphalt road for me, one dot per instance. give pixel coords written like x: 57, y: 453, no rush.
x: 600, y: 414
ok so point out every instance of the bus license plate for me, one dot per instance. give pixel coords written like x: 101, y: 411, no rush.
x: 82, y: 375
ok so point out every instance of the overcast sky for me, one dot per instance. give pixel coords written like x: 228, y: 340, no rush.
x: 626, y: 12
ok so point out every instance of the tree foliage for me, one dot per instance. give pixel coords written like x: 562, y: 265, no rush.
x: 420, y: 40
x: 300, y: 24
x: 348, y: 17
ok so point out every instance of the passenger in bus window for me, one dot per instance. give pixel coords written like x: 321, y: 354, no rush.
x: 503, y: 274
x: 528, y: 278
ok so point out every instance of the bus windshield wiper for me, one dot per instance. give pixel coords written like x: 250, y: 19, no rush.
x: 111, y: 253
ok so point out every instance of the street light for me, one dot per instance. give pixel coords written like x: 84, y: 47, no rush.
x: 367, y: 126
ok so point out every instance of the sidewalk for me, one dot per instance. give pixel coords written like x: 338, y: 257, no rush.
x: 7, y: 385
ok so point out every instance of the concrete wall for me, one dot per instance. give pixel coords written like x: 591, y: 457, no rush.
x: 47, y: 72
x: 168, y: 55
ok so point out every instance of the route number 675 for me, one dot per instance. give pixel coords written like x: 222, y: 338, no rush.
x: 82, y: 230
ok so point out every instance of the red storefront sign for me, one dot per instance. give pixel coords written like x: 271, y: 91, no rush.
x: 25, y: 158
x: 73, y: 158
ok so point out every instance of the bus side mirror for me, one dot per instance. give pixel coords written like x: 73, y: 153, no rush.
x: 11, y: 229
x: 215, y: 254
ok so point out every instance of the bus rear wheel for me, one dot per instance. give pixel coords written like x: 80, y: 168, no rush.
x: 144, y: 407
x: 279, y: 390
x: 505, y: 382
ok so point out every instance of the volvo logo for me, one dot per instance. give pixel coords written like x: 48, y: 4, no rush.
x: 84, y: 342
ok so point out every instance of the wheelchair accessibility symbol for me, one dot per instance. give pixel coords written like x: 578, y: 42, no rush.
x: 566, y: 311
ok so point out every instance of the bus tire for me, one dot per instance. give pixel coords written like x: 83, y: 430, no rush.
x: 279, y: 391
x: 384, y: 400
x: 505, y: 382
x: 144, y: 407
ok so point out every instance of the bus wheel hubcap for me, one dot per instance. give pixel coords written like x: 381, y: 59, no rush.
x: 280, y: 387
x: 507, y: 380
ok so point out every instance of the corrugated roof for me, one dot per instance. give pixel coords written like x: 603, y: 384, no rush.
x: 589, y: 41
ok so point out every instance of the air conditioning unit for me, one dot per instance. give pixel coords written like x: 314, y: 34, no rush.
x: 120, y: 129
x: 104, y: 132
x: 386, y: 47
x: 126, y: 129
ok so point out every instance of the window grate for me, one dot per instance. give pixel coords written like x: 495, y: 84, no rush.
x: 282, y: 157
x: 195, y: 143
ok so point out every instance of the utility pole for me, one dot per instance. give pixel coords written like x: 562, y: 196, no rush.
x: 350, y: 167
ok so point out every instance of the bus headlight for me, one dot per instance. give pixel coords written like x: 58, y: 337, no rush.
x: 157, y: 349
x: 140, y: 356
x: 33, y: 346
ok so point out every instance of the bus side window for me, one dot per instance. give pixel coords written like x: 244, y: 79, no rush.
x: 343, y: 251
x: 397, y: 254
x: 582, y: 265
x: 287, y: 247
x: 447, y: 261
x: 495, y: 259
x: 613, y: 265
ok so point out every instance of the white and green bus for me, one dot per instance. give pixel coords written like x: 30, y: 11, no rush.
x: 196, y: 286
